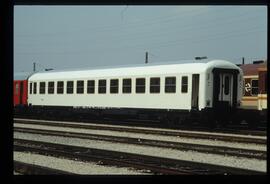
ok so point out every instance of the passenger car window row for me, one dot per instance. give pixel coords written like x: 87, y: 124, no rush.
x: 170, y: 86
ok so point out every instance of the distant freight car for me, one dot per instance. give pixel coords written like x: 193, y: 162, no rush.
x: 20, y: 89
x: 255, y: 86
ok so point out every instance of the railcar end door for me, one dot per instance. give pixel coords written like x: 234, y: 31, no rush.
x: 225, y: 88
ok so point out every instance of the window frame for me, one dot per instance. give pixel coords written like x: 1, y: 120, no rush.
x: 227, y: 85
x: 140, y: 86
x: 114, y: 89
x: 31, y: 88
x: 42, y: 89
x: 184, y: 84
x: 60, y: 89
x: 102, y: 89
x: 154, y: 88
x: 125, y: 86
x: 70, y: 88
x: 80, y: 88
x: 51, y: 88
x: 251, y: 92
x: 91, y: 87
x: 35, y: 88
x: 170, y: 85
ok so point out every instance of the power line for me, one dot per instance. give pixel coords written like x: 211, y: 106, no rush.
x: 196, y: 27
x: 145, y: 22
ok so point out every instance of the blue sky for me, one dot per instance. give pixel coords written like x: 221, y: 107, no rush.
x: 66, y: 37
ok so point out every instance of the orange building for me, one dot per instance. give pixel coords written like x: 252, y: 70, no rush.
x: 255, y: 85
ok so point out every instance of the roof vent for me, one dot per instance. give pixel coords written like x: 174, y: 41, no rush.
x: 48, y: 69
x: 199, y: 58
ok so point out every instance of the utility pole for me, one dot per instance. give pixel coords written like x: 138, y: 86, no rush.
x: 34, y: 66
x: 243, y: 60
x: 146, y: 57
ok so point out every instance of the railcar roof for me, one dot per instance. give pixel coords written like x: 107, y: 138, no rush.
x: 129, y: 65
x: 135, y: 70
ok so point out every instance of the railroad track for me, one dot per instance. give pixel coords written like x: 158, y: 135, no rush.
x: 179, y: 133
x: 153, y: 164
x: 247, y: 153
x: 244, y: 130
x: 31, y: 169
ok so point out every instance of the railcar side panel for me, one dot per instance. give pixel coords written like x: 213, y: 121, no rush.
x: 162, y: 100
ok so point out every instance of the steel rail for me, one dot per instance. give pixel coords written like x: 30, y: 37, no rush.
x: 246, y: 153
x: 148, y: 131
x: 27, y: 168
x: 156, y: 165
x: 156, y: 124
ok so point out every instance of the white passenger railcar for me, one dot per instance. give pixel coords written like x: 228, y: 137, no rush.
x: 175, y: 87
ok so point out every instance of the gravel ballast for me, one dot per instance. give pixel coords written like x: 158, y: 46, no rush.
x: 251, y: 164
x: 149, y: 136
x: 72, y: 166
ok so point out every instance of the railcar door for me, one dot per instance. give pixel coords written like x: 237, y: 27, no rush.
x: 225, y: 88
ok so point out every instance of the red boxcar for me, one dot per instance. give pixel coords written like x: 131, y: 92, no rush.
x: 20, y: 88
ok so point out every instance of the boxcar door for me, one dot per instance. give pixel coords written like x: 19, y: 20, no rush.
x: 21, y: 92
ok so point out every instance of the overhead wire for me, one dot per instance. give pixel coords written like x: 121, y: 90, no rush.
x: 184, y: 27
x: 106, y: 27
x: 156, y: 44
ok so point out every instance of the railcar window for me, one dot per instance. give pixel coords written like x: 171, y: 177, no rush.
x: 42, y: 87
x: 227, y: 85
x: 140, y: 85
x: 154, y: 85
x: 184, y: 84
x: 170, y: 84
x: 70, y: 87
x: 126, y: 86
x: 35, y: 88
x: 31, y: 85
x: 90, y: 86
x: 218, y: 84
x: 114, y: 86
x: 60, y: 87
x: 254, y: 87
x: 51, y: 88
x: 80, y: 87
x: 102, y: 86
